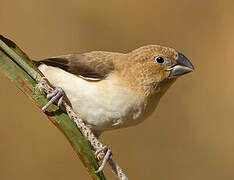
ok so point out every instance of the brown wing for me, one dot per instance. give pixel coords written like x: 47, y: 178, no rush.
x: 95, y: 65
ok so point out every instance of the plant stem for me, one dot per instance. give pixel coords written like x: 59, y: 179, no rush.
x: 16, y: 65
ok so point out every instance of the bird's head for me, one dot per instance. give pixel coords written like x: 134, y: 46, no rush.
x: 155, y: 65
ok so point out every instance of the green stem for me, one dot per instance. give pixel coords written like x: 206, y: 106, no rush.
x: 16, y: 65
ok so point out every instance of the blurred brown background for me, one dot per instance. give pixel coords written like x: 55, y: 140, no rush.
x: 195, y: 141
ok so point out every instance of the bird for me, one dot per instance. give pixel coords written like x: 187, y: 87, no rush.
x: 111, y: 90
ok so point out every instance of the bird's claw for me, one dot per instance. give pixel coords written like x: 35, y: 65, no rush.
x: 57, y: 94
x: 105, y: 154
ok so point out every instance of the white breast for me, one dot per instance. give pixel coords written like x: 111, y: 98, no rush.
x: 102, y: 104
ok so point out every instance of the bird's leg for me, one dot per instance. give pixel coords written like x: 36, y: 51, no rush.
x: 101, y: 152
x: 55, y: 95
x: 105, y: 154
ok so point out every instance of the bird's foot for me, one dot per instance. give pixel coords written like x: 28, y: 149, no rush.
x: 55, y: 95
x: 105, y: 154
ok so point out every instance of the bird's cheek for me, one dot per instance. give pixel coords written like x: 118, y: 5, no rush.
x: 158, y: 77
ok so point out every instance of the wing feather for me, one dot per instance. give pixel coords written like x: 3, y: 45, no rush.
x: 92, y: 66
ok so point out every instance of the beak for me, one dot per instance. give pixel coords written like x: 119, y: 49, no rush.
x: 182, y: 66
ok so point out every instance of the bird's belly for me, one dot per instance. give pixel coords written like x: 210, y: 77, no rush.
x: 106, y: 107
x: 104, y: 104
x: 102, y: 117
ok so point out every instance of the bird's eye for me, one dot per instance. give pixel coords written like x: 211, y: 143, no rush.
x: 159, y: 59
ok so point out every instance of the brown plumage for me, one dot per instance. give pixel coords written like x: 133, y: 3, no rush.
x: 113, y: 90
x: 96, y: 65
